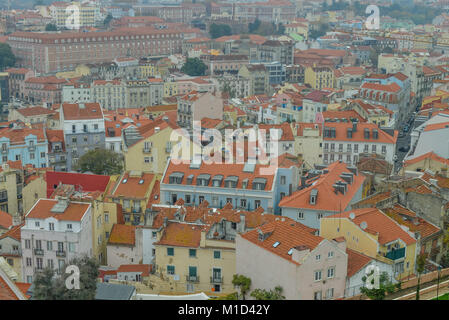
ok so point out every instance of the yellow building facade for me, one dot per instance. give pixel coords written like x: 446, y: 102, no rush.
x: 319, y: 77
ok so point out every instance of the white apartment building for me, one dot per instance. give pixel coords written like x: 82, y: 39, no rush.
x: 55, y: 231
x: 345, y: 141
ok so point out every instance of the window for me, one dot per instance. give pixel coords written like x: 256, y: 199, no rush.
x: 32, y: 155
x: 39, y: 263
x: 282, y: 179
x: 330, y: 272
x: 300, y: 215
x: 147, y: 159
x: 42, y: 154
x: 170, y: 251
x: 49, y: 245
x: 318, y: 275
x: 39, y: 244
x: 37, y: 224
x: 50, y: 263
x: 330, y: 293
x: 243, y: 203
x: 69, y: 226
x: 318, y: 257
x: 320, y: 215
x: 192, y: 253
x: 170, y: 269
x: 51, y: 226
x: 330, y: 254
x: 217, y: 254
x: 28, y: 262
x: 27, y: 244
x: 29, y: 279
x: 61, y: 246
x: 317, y: 295
x: 106, y: 217
x: 154, y: 234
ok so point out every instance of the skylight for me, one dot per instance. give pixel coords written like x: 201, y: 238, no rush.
x: 290, y: 252
x: 141, y: 181
x: 276, y: 244
x: 125, y: 181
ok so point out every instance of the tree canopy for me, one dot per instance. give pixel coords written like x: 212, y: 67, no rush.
x: 51, y: 27
x: 243, y: 283
x: 108, y: 19
x: 7, y: 58
x: 100, y: 161
x: 194, y: 67
x: 49, y: 286
x: 262, y: 294
x: 385, y: 286
x: 219, y: 30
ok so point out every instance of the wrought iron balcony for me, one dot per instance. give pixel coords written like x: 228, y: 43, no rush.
x: 60, y: 253
x: 215, y: 279
x: 146, y: 150
x: 38, y: 252
x: 195, y: 279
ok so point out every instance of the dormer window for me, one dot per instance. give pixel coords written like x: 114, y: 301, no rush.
x: 313, y: 196
x: 231, y: 182
x: 203, y: 180
x: 176, y: 178
x: 216, y: 181
x: 259, y: 183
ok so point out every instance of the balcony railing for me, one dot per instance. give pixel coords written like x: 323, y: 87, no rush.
x: 216, y: 279
x: 38, y: 252
x: 193, y: 278
x: 146, y: 150
x: 11, y: 252
x: 395, y: 254
x: 60, y: 253
x: 3, y: 200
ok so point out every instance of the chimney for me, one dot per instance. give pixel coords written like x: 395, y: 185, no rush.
x: 298, y: 253
x: 242, y: 224
x: 203, y: 239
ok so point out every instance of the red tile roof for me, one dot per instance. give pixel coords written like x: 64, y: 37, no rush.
x: 289, y: 233
x: 122, y: 234
x: 327, y: 199
x: 75, y: 111
x: 5, y: 220
x: 182, y: 235
x: 14, y: 232
x: 356, y: 261
x: 408, y: 218
x: 42, y: 210
x: 144, y: 269
x: 87, y: 182
x: 341, y: 129
x: 392, y: 87
x: 132, y: 188
x: 378, y: 223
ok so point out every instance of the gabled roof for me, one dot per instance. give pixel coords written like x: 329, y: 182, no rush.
x: 327, y: 199
x: 289, y: 233
x: 378, y: 223
x: 356, y: 261
x: 130, y: 186
x: 341, y: 129
x: 42, y: 210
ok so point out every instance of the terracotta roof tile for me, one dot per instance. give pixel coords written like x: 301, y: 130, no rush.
x: 142, y: 268
x: 5, y: 220
x: 327, y: 199
x: 42, y: 210
x: 289, y: 233
x: 356, y: 261
x: 122, y: 234
x: 378, y: 222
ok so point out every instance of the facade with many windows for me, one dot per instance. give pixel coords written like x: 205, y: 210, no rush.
x: 55, y: 232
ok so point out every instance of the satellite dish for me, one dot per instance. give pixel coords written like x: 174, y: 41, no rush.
x: 352, y: 215
x: 363, y: 225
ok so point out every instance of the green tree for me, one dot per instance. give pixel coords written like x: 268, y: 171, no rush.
x: 319, y: 31
x: 219, y: 30
x: 194, y: 67
x: 7, y: 58
x: 108, y: 20
x: 101, y: 161
x: 262, y: 294
x: 385, y: 286
x: 50, y: 286
x: 243, y: 283
x: 253, y: 26
x: 51, y: 27
x: 420, y: 265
